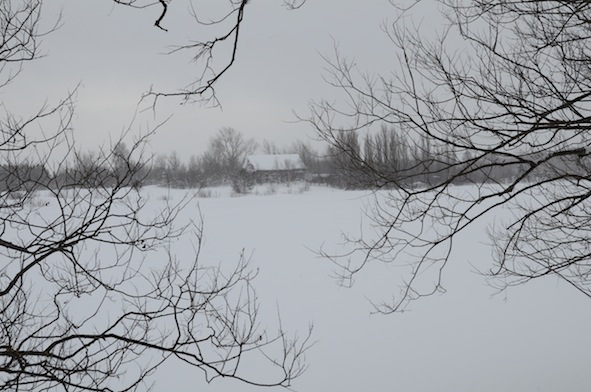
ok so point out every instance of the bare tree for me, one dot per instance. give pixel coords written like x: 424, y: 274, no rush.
x: 269, y: 147
x: 509, y: 114
x: 91, y: 287
x: 227, y: 150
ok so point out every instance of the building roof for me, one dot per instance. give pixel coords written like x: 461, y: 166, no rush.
x: 274, y: 162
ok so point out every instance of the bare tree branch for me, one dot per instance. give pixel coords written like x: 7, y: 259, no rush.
x: 499, y: 126
x: 94, y: 296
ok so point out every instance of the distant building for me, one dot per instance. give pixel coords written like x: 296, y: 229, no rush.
x: 275, y: 167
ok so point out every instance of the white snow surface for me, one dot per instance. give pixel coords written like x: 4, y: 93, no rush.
x: 530, y: 338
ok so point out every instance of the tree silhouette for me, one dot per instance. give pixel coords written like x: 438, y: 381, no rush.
x: 94, y: 295
x: 509, y: 114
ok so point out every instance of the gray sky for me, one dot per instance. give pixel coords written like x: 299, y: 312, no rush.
x: 115, y: 53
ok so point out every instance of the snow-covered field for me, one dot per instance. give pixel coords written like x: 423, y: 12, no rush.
x: 531, y: 338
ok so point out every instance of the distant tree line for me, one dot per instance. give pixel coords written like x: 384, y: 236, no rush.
x: 113, y: 167
x: 388, y: 158
x: 352, y: 161
x: 222, y: 162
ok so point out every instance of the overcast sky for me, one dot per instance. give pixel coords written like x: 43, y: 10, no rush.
x: 115, y: 54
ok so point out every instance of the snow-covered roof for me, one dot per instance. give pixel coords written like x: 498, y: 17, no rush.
x: 274, y: 162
